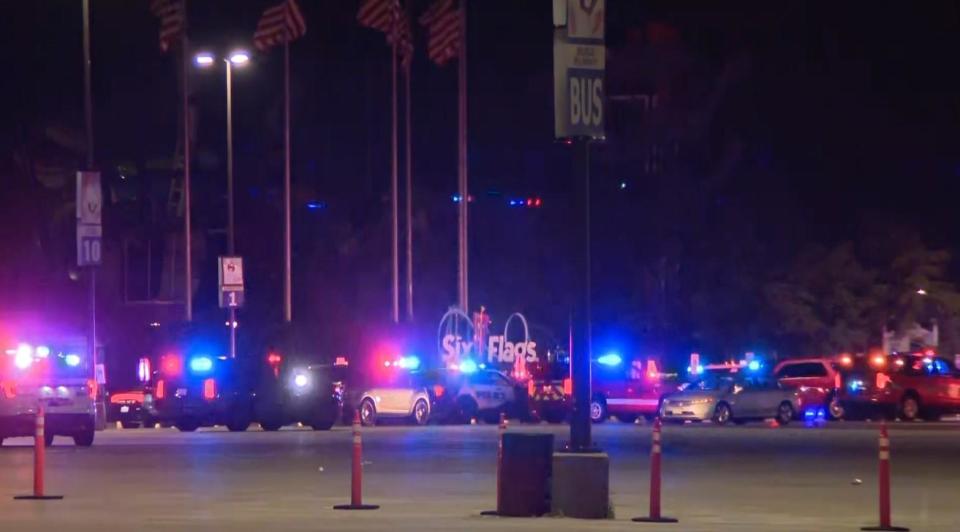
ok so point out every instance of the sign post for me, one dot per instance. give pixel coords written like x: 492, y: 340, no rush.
x: 579, y: 56
x: 230, y: 275
x: 90, y: 255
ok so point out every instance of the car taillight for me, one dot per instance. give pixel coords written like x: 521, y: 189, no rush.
x: 161, y: 389
x: 92, y: 388
x: 568, y: 386
x: 438, y: 390
x: 9, y: 389
x: 531, y: 387
x: 209, y: 389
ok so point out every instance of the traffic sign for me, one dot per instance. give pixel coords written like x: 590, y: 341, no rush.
x: 89, y: 217
x: 231, y: 282
x: 231, y: 298
x: 579, y: 63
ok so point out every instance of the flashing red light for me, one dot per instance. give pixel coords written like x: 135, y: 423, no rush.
x: 341, y: 361
x: 438, y: 390
x: 274, y: 359
x: 878, y: 360
x: 846, y: 360
x: 171, y: 365
x: 567, y: 386
x: 929, y: 352
x: 209, y: 389
x: 9, y: 389
x: 537, y: 202
x: 529, y: 202
x: 161, y: 389
x: 530, y: 388
x: 92, y: 388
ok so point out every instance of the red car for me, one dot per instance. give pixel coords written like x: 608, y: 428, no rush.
x: 906, y: 386
x: 817, y: 381
x: 626, y: 393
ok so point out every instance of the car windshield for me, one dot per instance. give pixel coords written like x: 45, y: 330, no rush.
x: 712, y: 383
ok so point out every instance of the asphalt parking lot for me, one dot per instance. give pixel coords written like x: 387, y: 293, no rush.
x: 441, y: 477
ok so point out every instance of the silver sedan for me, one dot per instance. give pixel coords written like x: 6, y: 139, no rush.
x: 731, y: 399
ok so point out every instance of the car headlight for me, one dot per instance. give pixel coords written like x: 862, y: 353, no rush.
x: 301, y: 380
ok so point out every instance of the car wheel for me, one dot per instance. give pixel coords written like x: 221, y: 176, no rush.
x: 129, y: 425
x: 84, y: 438
x: 910, y: 408
x: 271, y: 425
x: 784, y: 413
x: 322, y: 424
x: 187, y: 425
x: 466, y: 409
x: 627, y: 418
x: 421, y: 412
x: 48, y: 439
x: 835, y: 408
x: 368, y: 413
x: 238, y: 424
x: 722, y: 414
x: 598, y: 410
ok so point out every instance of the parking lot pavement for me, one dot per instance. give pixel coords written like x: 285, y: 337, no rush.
x: 440, y: 478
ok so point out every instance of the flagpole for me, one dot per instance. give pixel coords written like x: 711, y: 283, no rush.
x: 409, y: 192
x: 187, y: 266
x: 394, y: 203
x: 287, y: 244
x: 463, y: 274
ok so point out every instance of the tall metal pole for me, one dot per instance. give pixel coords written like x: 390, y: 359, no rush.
x: 287, y: 242
x: 231, y: 236
x: 88, y: 118
x: 394, y: 203
x: 463, y: 276
x: 187, y: 254
x: 580, y: 352
x: 409, y: 192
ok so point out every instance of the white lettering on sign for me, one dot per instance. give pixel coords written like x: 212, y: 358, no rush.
x: 497, y: 349
x: 586, y: 101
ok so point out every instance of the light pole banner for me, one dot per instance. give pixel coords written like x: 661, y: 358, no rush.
x: 579, y: 63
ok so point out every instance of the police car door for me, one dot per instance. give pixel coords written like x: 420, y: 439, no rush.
x: 488, y: 389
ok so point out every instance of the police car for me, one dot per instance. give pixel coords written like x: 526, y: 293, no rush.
x: 401, y: 393
x: 56, y: 375
x: 468, y: 392
x: 295, y: 391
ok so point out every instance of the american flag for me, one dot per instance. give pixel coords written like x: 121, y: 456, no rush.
x: 443, y: 27
x: 279, y: 24
x: 390, y: 18
x: 172, y: 21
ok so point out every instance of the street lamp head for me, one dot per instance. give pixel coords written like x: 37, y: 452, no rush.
x: 203, y: 59
x: 239, y: 57
x: 921, y: 292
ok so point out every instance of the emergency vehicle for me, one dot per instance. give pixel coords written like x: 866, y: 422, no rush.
x: 295, y: 390
x: 55, y: 372
x: 908, y: 386
x: 816, y: 380
x: 626, y: 391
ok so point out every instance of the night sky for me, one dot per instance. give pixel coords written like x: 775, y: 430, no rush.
x: 851, y: 109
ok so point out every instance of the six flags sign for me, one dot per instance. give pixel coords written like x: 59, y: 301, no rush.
x: 475, y: 341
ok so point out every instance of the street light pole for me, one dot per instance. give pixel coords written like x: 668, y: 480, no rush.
x: 231, y: 242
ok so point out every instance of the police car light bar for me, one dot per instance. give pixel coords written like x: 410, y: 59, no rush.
x: 610, y: 359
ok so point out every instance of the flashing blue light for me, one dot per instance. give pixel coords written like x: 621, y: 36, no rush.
x: 809, y: 413
x: 316, y: 205
x: 517, y: 203
x: 408, y: 362
x: 457, y: 198
x: 42, y: 351
x: 468, y: 366
x: 72, y: 360
x: 754, y: 365
x: 856, y: 385
x: 201, y: 364
x: 623, y: 185
x: 695, y: 370
x: 610, y: 359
